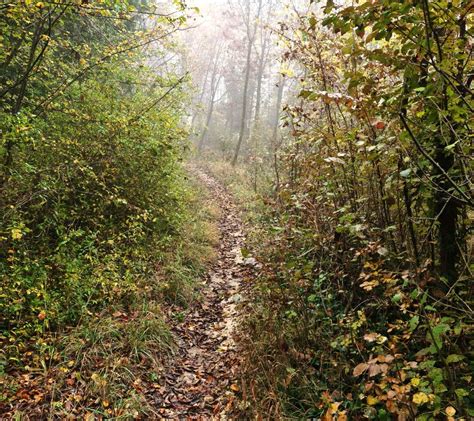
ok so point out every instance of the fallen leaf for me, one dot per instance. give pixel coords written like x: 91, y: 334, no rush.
x: 379, y: 125
x: 372, y: 400
x: 371, y: 337
x: 360, y: 368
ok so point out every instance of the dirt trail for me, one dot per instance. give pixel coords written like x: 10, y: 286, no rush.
x: 201, y: 380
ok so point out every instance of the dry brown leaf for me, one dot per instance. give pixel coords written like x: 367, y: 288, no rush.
x: 360, y: 368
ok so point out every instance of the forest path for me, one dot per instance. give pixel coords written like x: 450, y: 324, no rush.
x: 201, y: 379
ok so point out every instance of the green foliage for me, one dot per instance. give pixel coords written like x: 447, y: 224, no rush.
x: 90, y: 179
x: 113, y: 358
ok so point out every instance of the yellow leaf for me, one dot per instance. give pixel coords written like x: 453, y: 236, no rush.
x: 235, y: 387
x: 415, y: 381
x: 372, y: 400
x: 342, y: 416
x: 420, y: 398
x: 335, y: 406
x: 16, y: 234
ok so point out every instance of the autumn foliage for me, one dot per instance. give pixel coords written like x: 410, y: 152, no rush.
x: 364, y: 308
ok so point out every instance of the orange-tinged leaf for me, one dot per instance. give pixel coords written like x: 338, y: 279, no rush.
x: 450, y: 411
x: 379, y: 125
x: 374, y: 369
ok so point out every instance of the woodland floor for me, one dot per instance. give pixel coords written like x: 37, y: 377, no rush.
x: 202, y: 378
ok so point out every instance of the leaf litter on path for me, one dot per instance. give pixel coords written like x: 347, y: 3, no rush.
x: 201, y: 380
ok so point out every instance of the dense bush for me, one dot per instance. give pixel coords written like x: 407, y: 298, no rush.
x: 90, y: 189
x: 363, y: 309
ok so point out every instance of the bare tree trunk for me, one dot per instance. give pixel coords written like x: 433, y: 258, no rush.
x: 203, y: 91
x: 276, y: 120
x: 206, y: 126
x: 261, y: 67
x: 244, y: 102
x: 251, y: 32
x: 214, y: 85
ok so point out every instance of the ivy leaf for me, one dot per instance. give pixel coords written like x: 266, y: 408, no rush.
x: 461, y: 393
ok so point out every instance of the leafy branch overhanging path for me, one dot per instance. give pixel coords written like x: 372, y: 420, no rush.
x: 201, y: 380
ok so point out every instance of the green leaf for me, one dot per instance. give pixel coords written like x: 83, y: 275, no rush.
x: 461, y: 393
x: 306, y: 94
x: 454, y: 358
x: 245, y: 252
x: 414, y: 321
x: 397, y: 297
x: 435, y: 336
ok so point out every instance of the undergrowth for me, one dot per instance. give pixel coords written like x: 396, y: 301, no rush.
x: 108, y: 364
x: 340, y: 330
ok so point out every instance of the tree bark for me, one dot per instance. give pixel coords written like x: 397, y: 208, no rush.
x: 214, y: 85
x: 244, y: 102
x: 251, y: 32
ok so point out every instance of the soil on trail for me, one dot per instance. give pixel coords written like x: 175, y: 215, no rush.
x: 201, y: 381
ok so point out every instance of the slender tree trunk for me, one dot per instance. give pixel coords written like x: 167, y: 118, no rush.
x: 276, y: 120
x: 208, y: 121
x: 251, y: 33
x: 244, y: 102
x: 203, y: 91
x: 214, y: 85
x: 21, y: 93
x: 261, y: 67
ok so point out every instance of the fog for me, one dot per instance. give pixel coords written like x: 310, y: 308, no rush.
x: 233, y: 52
